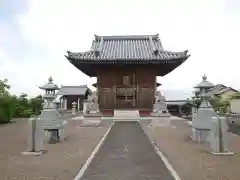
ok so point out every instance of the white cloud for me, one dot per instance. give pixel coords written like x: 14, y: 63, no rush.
x: 203, y: 27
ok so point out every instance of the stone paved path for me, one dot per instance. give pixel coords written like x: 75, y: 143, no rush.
x: 127, y: 154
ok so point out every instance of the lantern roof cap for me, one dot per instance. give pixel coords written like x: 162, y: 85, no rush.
x: 204, y: 83
x: 50, y: 85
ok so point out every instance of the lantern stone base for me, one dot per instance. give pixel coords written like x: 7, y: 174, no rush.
x: 200, y: 135
x: 53, y: 136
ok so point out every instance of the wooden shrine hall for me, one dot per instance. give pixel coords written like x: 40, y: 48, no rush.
x: 126, y: 68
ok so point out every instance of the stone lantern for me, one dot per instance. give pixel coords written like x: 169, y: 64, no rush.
x: 201, y: 123
x: 53, y: 121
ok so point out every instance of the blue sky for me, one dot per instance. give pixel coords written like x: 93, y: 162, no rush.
x: 35, y: 35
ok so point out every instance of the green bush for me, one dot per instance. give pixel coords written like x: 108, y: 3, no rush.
x: 218, y: 104
x: 19, y: 107
x: 27, y: 113
x: 235, y: 96
x: 7, y: 108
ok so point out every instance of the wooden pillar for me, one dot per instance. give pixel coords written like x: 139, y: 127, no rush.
x: 114, y: 94
x: 134, y: 95
x: 97, y: 91
x: 137, y: 96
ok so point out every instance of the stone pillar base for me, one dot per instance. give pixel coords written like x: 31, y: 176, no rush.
x: 62, y: 131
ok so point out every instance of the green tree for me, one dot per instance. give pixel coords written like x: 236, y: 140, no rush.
x: 20, y: 107
x: 36, y: 104
x: 220, y: 104
x: 7, y: 102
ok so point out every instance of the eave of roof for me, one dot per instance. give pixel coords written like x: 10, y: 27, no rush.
x: 165, y: 57
x: 73, y: 90
x: 224, y: 90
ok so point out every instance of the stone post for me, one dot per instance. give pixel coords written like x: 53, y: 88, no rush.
x: 78, y: 104
x: 85, y: 107
x: 74, y: 108
x: 65, y: 103
x: 218, y: 136
x: 35, y: 137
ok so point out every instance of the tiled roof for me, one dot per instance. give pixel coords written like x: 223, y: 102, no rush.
x: 224, y: 90
x: 217, y: 88
x: 73, y: 90
x: 106, y: 49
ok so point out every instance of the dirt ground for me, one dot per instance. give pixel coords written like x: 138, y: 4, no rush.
x: 193, y: 161
x: 61, y: 162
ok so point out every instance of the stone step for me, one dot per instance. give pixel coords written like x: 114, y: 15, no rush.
x: 126, y: 113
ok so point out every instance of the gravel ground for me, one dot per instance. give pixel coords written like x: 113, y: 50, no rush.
x: 62, y: 161
x: 127, y: 154
x: 192, y: 161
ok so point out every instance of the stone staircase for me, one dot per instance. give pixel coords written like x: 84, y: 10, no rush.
x: 126, y: 115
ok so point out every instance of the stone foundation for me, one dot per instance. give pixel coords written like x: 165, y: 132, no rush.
x: 160, y: 122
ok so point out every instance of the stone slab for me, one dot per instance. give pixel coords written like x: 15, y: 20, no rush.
x: 223, y: 153
x: 87, y: 122
x: 78, y: 118
x: 121, y: 156
x: 27, y: 153
x: 126, y: 113
x: 161, y: 122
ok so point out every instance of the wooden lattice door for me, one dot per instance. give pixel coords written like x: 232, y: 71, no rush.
x: 145, y: 98
x: 106, y: 98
